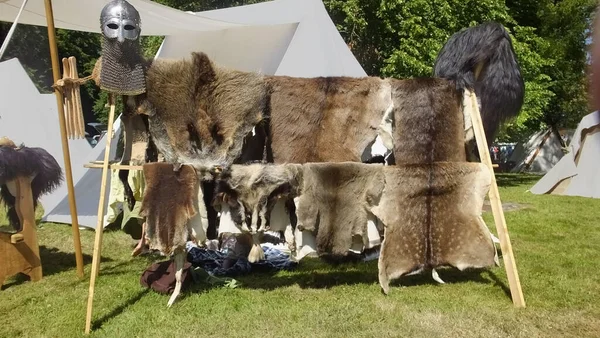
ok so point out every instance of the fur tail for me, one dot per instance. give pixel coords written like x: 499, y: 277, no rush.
x: 485, y: 49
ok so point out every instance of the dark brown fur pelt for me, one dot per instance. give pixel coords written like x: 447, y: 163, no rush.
x: 25, y: 161
x: 334, y: 203
x: 199, y: 112
x: 168, y: 205
x: 428, y: 121
x: 325, y: 119
x: 432, y: 217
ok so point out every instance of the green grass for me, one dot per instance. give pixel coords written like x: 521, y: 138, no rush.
x: 555, y: 241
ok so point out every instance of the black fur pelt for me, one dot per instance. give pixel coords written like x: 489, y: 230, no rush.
x: 499, y: 87
x: 15, y: 162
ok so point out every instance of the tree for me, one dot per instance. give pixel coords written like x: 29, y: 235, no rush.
x: 562, y: 28
x: 399, y: 38
x: 402, y: 38
x: 29, y: 45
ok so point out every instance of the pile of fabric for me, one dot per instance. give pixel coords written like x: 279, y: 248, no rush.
x: 215, y: 262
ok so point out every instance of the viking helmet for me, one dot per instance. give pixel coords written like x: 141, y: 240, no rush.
x: 120, y: 20
x: 123, y: 66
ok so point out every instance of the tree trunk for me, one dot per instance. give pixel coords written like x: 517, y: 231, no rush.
x: 557, y: 134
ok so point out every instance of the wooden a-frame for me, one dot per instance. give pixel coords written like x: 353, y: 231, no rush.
x: 471, y: 107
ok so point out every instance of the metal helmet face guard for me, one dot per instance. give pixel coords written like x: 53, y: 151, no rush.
x: 123, y: 65
x: 121, y: 21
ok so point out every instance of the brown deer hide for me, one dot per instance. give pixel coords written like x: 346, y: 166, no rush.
x: 428, y: 120
x: 168, y: 205
x: 432, y: 217
x: 202, y: 113
x: 334, y: 203
x: 325, y: 119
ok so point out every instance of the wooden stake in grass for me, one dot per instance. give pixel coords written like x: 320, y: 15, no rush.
x: 472, y: 108
x: 100, y: 223
x: 63, y: 136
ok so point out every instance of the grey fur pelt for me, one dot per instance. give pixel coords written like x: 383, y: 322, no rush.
x: 24, y: 161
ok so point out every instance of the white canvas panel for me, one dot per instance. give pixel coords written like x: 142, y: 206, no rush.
x: 252, y: 49
x: 84, y: 15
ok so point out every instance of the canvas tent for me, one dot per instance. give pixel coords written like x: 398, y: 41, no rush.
x: 540, y: 153
x: 282, y: 37
x: 312, y: 45
x: 577, y: 173
x: 84, y: 15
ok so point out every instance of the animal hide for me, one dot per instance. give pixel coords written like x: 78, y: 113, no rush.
x: 168, y: 205
x: 335, y: 201
x: 428, y: 122
x: 432, y: 217
x: 212, y: 115
x: 201, y: 113
x: 499, y: 86
x: 253, y: 189
x: 26, y: 161
x: 325, y: 119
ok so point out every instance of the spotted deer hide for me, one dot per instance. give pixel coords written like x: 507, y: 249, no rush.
x: 168, y: 205
x: 432, y: 217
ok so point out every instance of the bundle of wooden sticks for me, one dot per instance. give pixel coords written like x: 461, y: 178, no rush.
x: 73, y: 109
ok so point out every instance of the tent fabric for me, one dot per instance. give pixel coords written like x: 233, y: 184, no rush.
x: 84, y: 15
x: 317, y: 48
x: 527, y: 158
x: 578, y: 172
x: 282, y: 37
x: 237, y: 48
x: 28, y: 117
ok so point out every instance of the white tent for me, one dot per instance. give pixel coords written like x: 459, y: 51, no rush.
x: 282, y: 37
x: 578, y: 172
x: 84, y: 15
x: 315, y: 47
x: 540, y: 153
x: 28, y: 117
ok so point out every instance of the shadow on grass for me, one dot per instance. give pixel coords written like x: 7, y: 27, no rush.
x: 118, y: 310
x: 362, y: 273
x: 513, y: 180
x: 53, y: 261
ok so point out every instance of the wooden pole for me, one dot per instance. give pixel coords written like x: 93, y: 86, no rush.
x: 65, y: 143
x: 100, y: 223
x: 507, y: 254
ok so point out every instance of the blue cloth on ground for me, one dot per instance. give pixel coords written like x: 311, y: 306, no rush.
x: 217, y: 263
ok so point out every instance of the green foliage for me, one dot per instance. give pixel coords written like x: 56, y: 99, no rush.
x: 29, y: 45
x: 557, y: 85
x: 396, y: 38
x: 402, y: 38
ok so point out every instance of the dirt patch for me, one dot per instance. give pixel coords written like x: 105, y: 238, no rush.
x: 509, y: 206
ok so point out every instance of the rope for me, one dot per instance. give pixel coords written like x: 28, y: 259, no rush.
x: 12, y: 30
x: 70, y: 82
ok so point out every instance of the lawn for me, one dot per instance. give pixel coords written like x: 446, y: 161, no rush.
x: 555, y: 240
